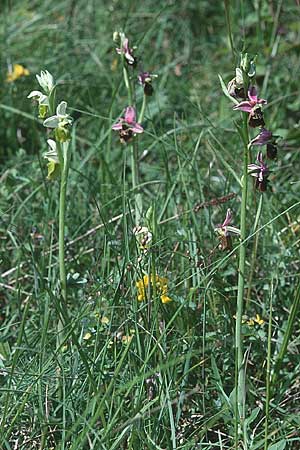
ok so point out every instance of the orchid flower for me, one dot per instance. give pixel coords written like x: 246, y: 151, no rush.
x: 53, y: 161
x: 127, y: 125
x: 61, y: 122
x: 145, y: 80
x: 45, y: 80
x: 262, y: 138
x: 143, y: 236
x: 126, y: 50
x: 51, y: 154
x: 235, y: 86
x: 225, y: 230
x: 261, y: 172
x: 253, y: 102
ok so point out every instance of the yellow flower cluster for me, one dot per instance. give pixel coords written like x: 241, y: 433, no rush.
x: 252, y: 321
x: 17, y: 72
x: 257, y: 319
x: 161, y: 285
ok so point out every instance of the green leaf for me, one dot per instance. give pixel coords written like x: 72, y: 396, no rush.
x: 280, y: 445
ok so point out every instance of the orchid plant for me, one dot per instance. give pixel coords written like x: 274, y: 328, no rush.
x: 58, y: 156
x: 128, y: 126
x: 242, y: 87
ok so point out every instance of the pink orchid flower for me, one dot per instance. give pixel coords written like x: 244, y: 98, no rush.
x: 127, y: 51
x: 262, y: 138
x: 261, y: 172
x: 252, y: 104
x: 225, y: 231
x: 128, y: 121
x: 127, y: 125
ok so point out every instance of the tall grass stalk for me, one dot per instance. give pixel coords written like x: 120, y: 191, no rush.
x: 287, y: 335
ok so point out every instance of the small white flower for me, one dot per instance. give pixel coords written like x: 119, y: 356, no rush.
x: 45, y: 80
x: 51, y: 155
x: 61, y: 119
x: 39, y: 96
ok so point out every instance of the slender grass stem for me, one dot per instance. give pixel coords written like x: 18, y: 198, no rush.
x: 240, y: 373
x: 228, y: 23
x: 287, y: 335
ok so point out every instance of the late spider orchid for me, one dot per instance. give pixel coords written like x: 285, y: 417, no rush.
x: 144, y: 237
x: 261, y: 172
x: 126, y: 50
x: 262, y: 138
x: 43, y: 102
x: 53, y: 161
x: 225, y: 230
x: 250, y: 105
x: 127, y: 125
x: 145, y: 80
x: 61, y: 122
x: 45, y: 80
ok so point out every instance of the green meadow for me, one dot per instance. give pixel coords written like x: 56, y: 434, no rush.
x: 149, y: 244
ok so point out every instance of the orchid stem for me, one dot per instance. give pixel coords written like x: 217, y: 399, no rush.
x: 268, y: 374
x: 64, y: 156
x: 240, y: 369
x: 143, y: 108
x: 134, y: 153
x: 62, y: 214
x: 254, y: 252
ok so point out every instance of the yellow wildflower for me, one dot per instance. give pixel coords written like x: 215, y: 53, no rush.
x: 165, y: 299
x: 87, y: 336
x: 17, y: 72
x: 104, y: 320
x: 161, y: 285
x: 259, y: 320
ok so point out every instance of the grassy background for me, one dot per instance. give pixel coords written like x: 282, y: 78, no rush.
x: 132, y: 376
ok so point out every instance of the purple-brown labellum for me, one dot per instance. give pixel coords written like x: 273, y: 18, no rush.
x: 271, y: 151
x: 256, y: 119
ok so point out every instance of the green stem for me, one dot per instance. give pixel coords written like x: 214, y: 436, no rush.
x: 63, y: 152
x: 254, y: 252
x: 135, y: 182
x: 268, y: 376
x: 143, y: 108
x: 62, y: 214
x: 134, y: 152
x: 240, y: 370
